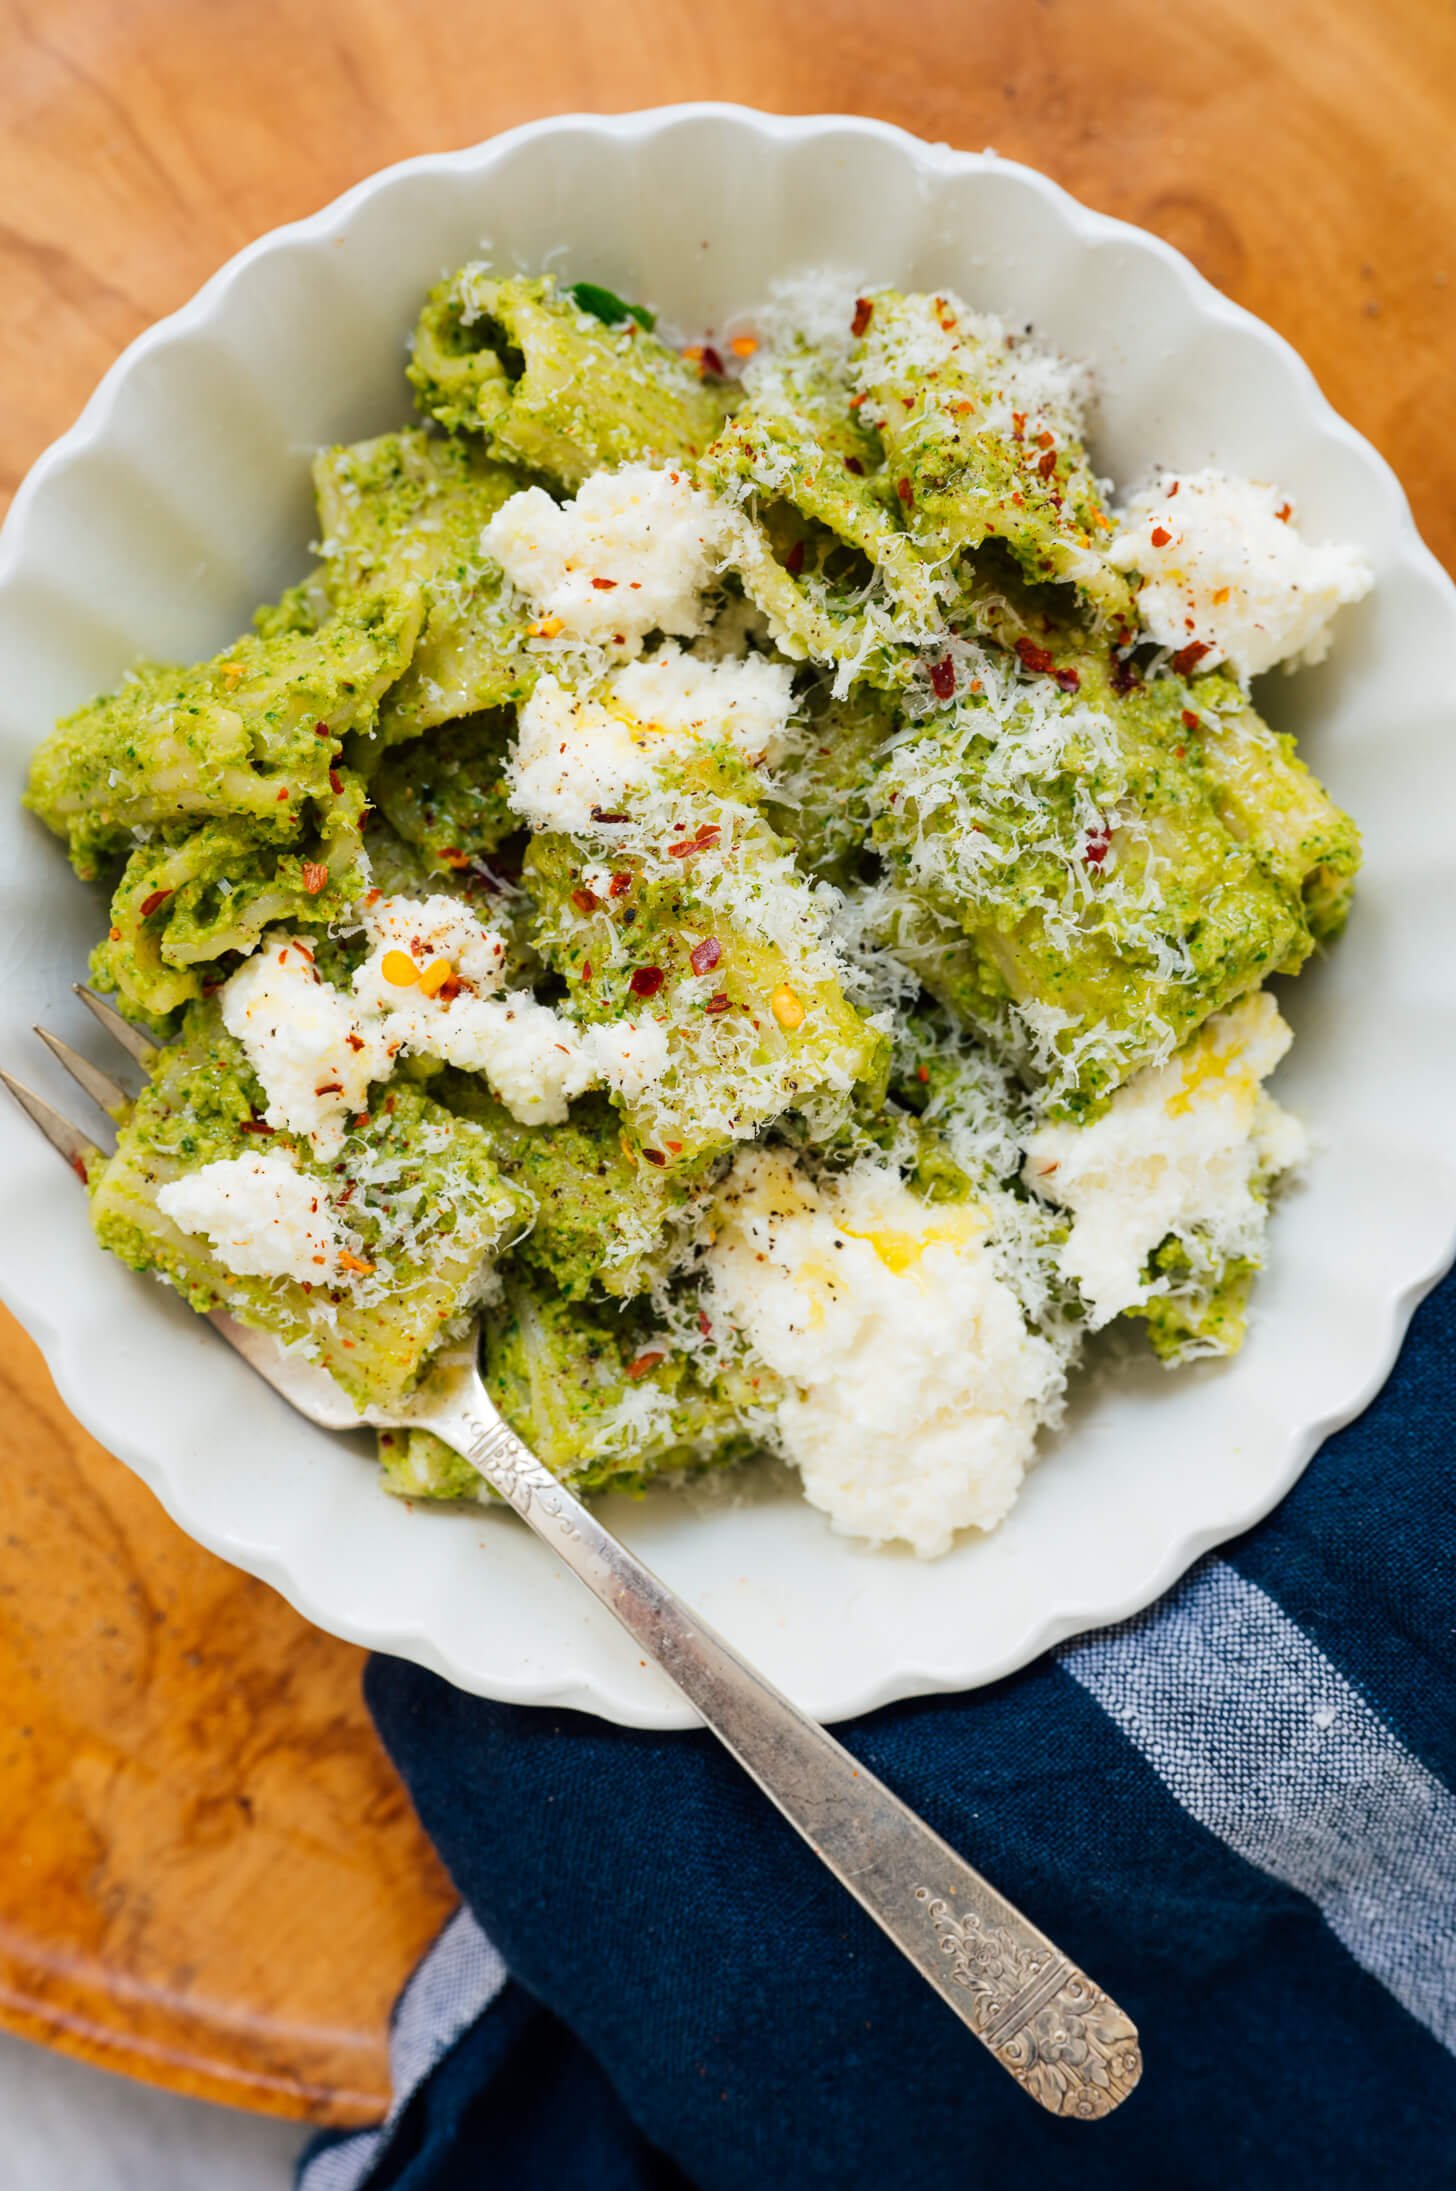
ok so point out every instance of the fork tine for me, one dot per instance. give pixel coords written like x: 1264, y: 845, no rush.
x: 107, y: 1094
x: 67, y: 1140
x: 135, y: 1043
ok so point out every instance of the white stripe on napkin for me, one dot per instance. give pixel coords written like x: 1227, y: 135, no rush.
x: 456, y: 1983
x: 1261, y: 1738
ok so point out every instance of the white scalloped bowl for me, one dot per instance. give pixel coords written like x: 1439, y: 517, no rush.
x: 182, y: 498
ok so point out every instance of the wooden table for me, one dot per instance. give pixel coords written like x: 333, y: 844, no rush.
x: 212, y: 1878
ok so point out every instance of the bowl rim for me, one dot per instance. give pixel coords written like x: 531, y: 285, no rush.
x: 939, y: 159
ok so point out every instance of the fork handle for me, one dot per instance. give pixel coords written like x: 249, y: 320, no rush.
x: 1062, y: 2039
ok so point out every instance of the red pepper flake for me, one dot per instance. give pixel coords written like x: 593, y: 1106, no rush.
x: 329, y: 1087
x: 283, y: 794
x: 654, y: 1156
x: 315, y: 877
x: 254, y: 1126
x: 1018, y: 424
x: 942, y: 678
x: 586, y: 972
x: 1189, y: 657
x: 151, y: 901
x: 1097, y: 846
x: 712, y: 363
x: 599, y: 814
x: 853, y: 464
x: 922, y: 1074
x: 705, y: 955
x: 1189, y: 719
x: 1041, y: 664
x: 355, y: 1042
x: 1047, y: 463
x: 1124, y: 675
x: 704, y: 841
x: 347, y: 1195
x: 794, y: 560
x: 78, y: 1166
x: 704, y: 1325
x: 336, y: 782
x: 1284, y: 512
x: 619, y: 884
x: 1179, y: 752
x: 717, y: 1003
x: 605, y: 585
x: 653, y: 1355
x: 1160, y: 536
x: 361, y: 1118
x: 676, y: 1147
x: 863, y: 313
x: 321, y: 730
x: 585, y: 901
x: 905, y: 491
x: 856, y: 401
x: 645, y: 982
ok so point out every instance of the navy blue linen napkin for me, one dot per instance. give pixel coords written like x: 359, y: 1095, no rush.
x: 1235, y: 1810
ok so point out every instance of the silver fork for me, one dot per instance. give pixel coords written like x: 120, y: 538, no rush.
x: 1064, y: 2041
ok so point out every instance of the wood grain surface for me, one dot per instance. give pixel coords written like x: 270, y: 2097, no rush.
x: 212, y: 1879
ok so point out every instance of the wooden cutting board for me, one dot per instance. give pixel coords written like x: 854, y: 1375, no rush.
x: 212, y: 1878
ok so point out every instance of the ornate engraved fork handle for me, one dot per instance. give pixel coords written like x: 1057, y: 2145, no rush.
x: 1066, y: 2044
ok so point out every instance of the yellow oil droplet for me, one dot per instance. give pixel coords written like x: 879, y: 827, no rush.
x: 399, y: 969
x: 1206, y: 1067
x: 435, y: 976
x: 900, y: 1250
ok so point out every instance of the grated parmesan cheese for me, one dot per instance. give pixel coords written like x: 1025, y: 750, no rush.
x: 929, y: 336
x: 1224, y: 568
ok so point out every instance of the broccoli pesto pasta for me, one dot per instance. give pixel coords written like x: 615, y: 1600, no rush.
x: 747, y: 866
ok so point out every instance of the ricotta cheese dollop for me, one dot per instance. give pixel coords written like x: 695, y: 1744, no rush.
x: 1224, y: 568
x: 432, y: 985
x: 264, y: 1217
x: 580, y: 754
x: 304, y: 1039
x: 915, y: 1389
x: 1187, y: 1148
x: 633, y: 553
